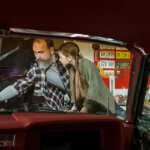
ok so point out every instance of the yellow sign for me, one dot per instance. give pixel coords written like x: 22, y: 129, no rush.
x: 101, y: 71
x: 121, y: 48
x: 107, y: 73
x: 122, y: 55
x: 147, y: 102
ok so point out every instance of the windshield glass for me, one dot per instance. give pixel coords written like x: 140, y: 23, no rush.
x: 145, y: 117
x: 59, y: 75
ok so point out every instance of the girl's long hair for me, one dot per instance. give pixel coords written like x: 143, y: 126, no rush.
x: 78, y: 86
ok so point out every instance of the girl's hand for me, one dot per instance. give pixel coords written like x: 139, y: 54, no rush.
x: 84, y: 110
x: 68, y: 110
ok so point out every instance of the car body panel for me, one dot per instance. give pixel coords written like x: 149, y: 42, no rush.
x: 125, y: 21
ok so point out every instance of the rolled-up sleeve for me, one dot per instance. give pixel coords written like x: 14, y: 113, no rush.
x: 23, y: 84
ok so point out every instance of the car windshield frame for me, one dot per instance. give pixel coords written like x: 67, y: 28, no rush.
x: 13, y: 32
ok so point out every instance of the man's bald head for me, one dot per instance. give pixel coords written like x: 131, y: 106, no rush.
x: 47, y: 42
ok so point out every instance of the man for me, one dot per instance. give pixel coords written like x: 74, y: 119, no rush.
x: 51, y: 76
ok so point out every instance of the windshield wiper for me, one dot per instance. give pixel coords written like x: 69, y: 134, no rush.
x: 2, y: 57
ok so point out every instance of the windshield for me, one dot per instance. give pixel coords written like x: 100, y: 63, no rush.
x: 62, y: 75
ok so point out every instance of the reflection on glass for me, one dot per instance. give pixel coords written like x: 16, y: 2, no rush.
x: 33, y: 76
x: 146, y: 108
x: 145, y: 118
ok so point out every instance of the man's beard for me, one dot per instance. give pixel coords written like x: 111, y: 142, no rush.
x: 44, y: 64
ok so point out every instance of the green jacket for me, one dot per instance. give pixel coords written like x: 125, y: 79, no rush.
x: 97, y: 92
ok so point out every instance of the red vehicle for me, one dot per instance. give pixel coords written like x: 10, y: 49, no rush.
x: 115, y: 37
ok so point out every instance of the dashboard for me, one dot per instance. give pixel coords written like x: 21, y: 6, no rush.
x: 59, y: 131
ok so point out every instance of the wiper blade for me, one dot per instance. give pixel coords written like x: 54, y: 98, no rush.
x: 48, y: 110
x: 10, y: 52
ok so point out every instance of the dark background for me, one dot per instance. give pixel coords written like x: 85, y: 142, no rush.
x: 127, y: 20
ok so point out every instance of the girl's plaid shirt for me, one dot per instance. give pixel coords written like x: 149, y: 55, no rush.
x: 53, y: 95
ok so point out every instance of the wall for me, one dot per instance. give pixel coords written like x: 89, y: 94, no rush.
x: 86, y: 50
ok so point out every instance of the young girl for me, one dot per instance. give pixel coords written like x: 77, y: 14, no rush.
x: 88, y: 91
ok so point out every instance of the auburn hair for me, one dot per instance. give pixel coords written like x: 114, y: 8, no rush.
x: 76, y: 83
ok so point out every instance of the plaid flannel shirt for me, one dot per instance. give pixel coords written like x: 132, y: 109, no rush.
x: 53, y: 95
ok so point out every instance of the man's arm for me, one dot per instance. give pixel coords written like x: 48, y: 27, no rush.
x: 19, y: 87
x: 8, y: 93
x: 22, y: 85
